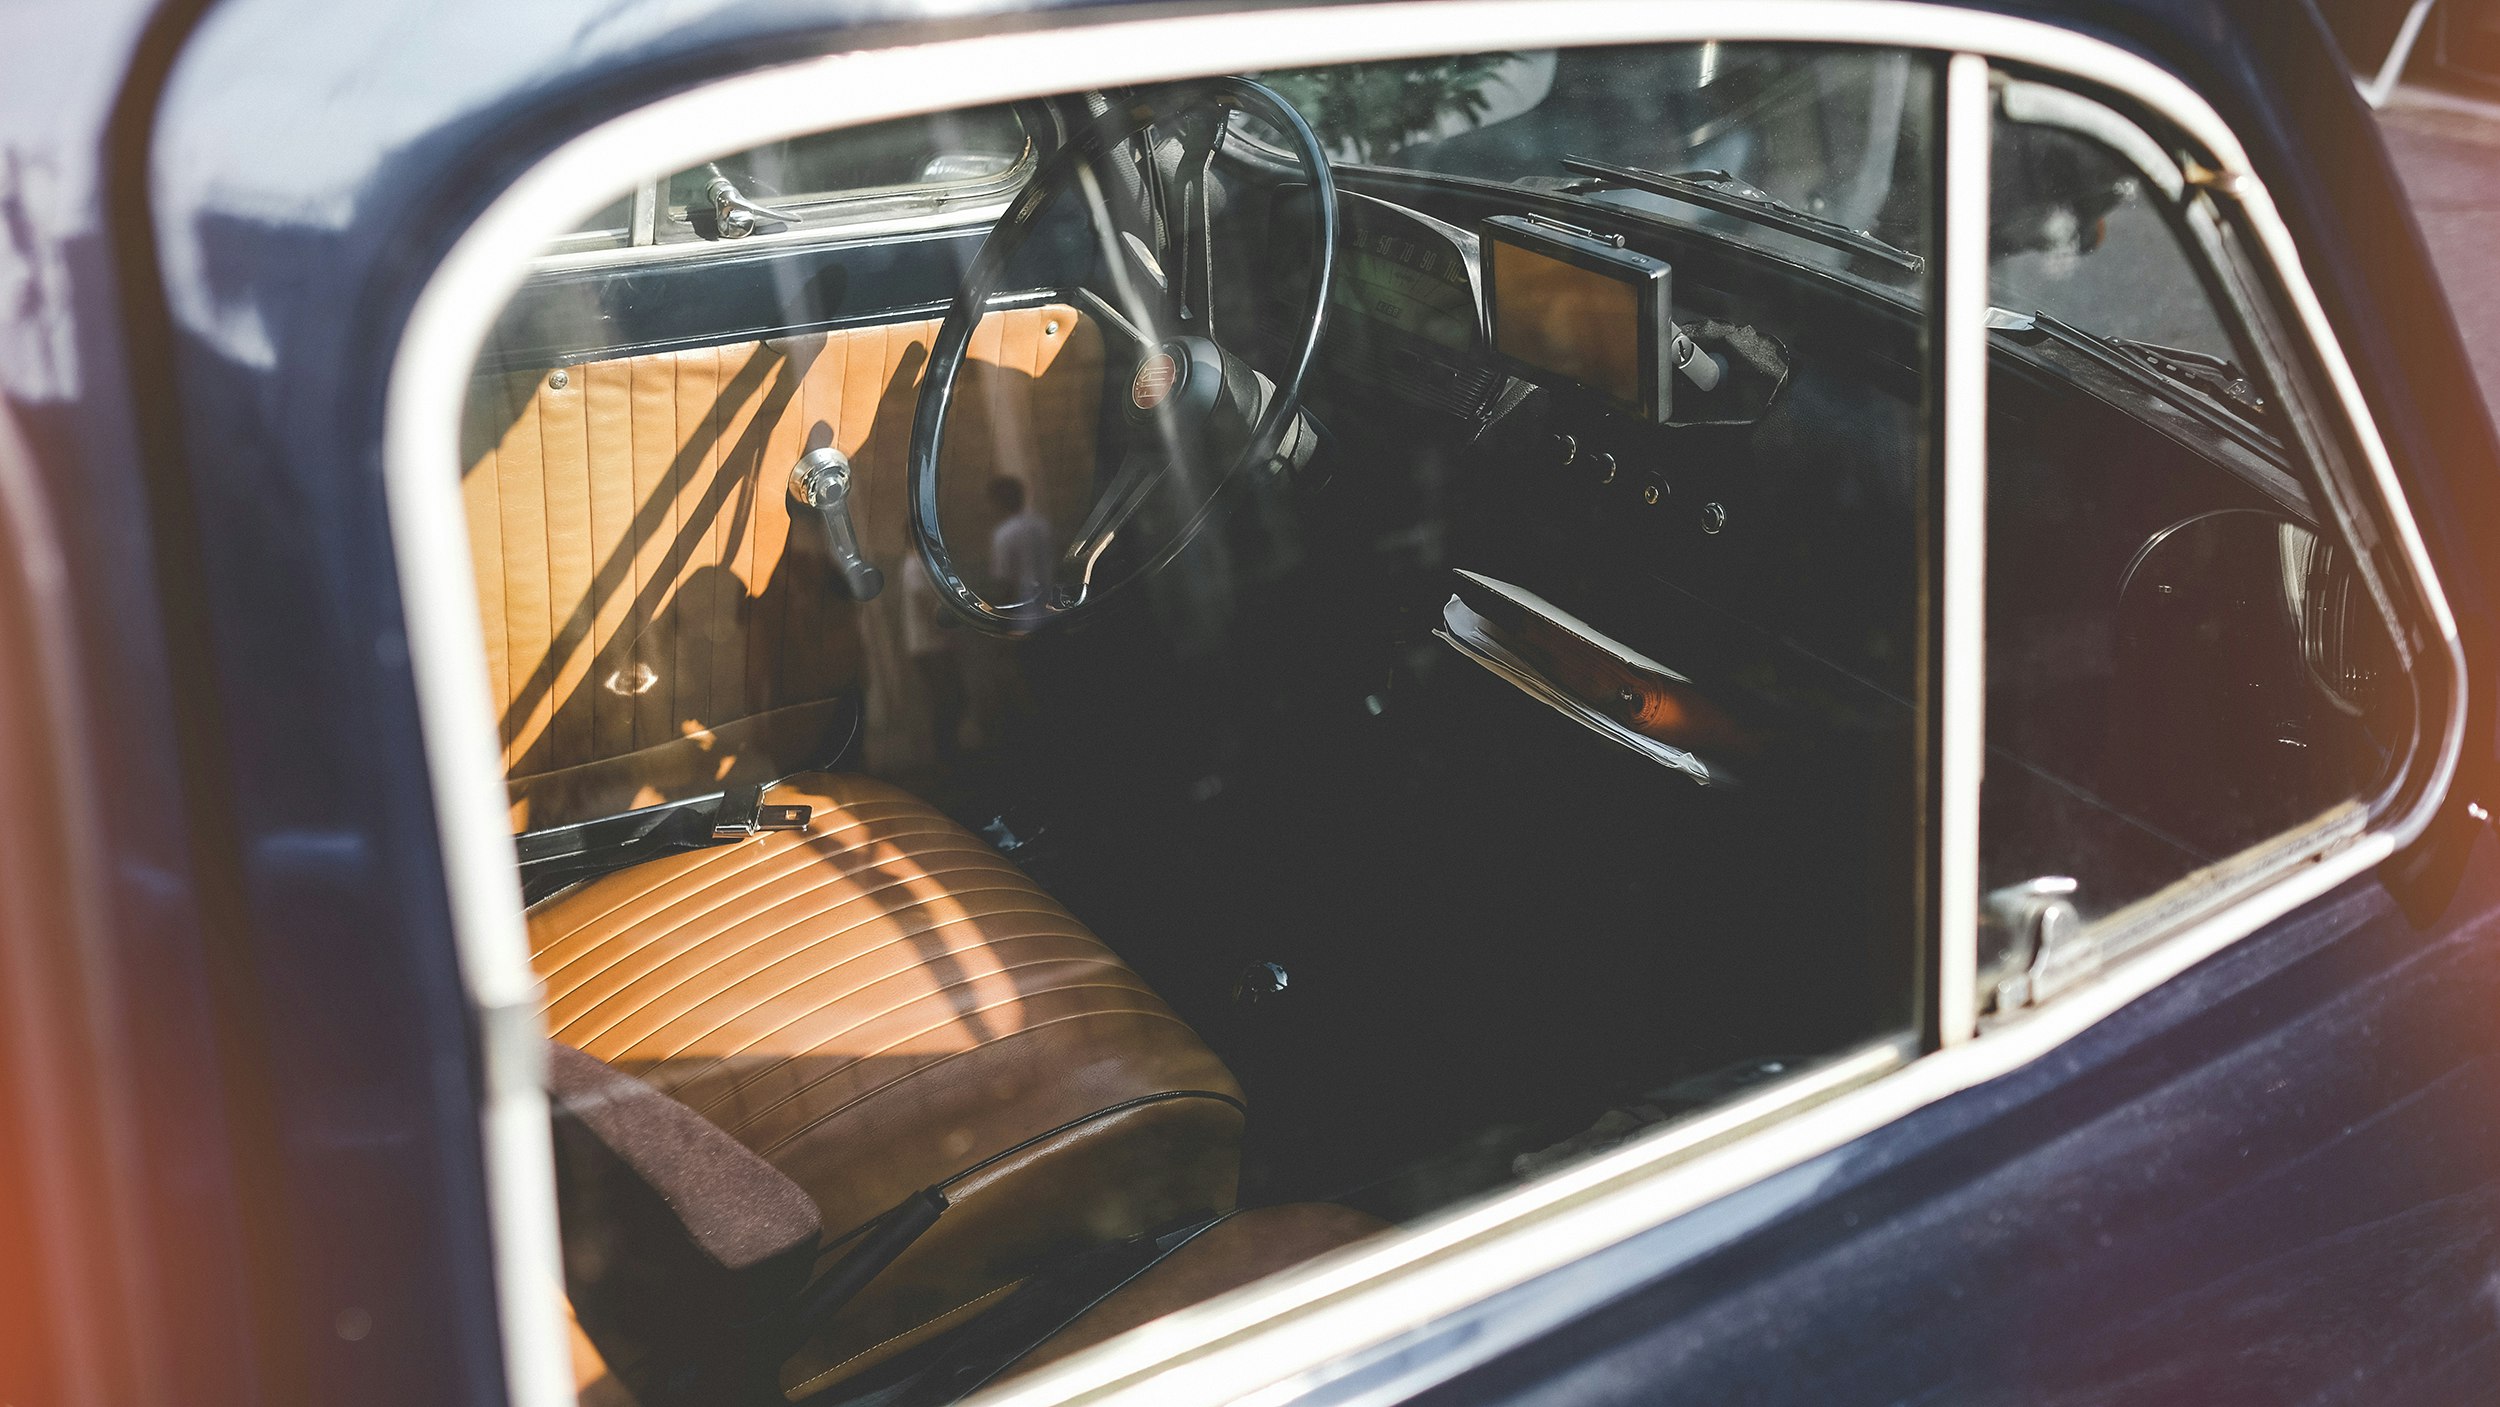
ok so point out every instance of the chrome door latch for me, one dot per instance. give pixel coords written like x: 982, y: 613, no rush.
x: 734, y: 215
x: 2046, y: 949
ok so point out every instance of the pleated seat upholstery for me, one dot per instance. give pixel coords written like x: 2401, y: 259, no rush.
x: 881, y: 1003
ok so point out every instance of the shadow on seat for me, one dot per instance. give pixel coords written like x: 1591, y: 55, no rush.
x: 685, y: 1257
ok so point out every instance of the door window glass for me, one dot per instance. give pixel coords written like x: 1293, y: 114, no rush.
x: 1439, y: 667
x: 2183, y: 660
x: 2081, y: 231
x: 608, y: 227
x: 913, y: 163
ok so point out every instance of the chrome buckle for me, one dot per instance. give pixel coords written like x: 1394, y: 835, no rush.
x: 742, y: 813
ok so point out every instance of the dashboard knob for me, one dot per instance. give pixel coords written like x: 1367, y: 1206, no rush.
x: 1568, y: 448
x: 1605, y: 466
x: 1258, y: 982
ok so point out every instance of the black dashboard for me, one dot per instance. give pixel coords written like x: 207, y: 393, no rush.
x: 1410, y: 315
x: 1764, y: 535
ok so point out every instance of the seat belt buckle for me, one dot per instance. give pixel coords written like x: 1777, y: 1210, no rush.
x: 742, y: 813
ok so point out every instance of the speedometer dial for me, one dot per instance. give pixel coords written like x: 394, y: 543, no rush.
x: 1405, y: 305
x: 1416, y: 286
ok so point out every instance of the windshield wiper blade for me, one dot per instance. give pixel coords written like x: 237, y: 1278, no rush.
x: 2153, y: 369
x: 1720, y: 191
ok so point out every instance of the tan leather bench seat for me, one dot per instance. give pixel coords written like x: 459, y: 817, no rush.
x: 881, y: 1003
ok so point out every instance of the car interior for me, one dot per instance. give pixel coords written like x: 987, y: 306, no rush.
x: 1106, y: 695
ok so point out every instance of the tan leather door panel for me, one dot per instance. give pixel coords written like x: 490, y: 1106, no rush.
x: 654, y: 627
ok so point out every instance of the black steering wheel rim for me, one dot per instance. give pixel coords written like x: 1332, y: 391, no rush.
x: 1127, y: 117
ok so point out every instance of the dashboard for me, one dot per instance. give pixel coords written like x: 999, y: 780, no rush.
x: 1415, y: 312
x: 1763, y: 533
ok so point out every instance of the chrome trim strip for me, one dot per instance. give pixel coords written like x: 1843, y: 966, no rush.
x: 464, y: 763
x: 646, y: 221
x: 2395, y: 513
x: 1963, y: 699
x: 1272, y: 1340
x: 958, y: 220
x: 1584, y: 1205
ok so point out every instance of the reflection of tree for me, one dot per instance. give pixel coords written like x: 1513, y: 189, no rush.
x: 1368, y: 111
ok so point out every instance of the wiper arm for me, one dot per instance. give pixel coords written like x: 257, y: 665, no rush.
x: 2218, y: 377
x: 1720, y: 191
x: 2160, y: 371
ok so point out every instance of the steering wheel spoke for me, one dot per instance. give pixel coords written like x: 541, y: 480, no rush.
x: 1141, y: 472
x: 1197, y: 417
x: 1193, y: 226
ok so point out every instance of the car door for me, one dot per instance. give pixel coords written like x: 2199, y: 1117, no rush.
x: 2195, y: 1122
x: 2130, y: 818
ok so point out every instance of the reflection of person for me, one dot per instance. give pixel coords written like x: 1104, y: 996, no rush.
x: 931, y: 648
x: 1020, y: 546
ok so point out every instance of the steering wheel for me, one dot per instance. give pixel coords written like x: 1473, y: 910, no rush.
x: 1197, y: 417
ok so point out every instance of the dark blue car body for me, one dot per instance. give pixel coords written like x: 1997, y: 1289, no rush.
x: 2274, y: 1179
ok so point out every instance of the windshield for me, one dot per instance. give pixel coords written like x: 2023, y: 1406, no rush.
x: 2078, y: 232
x: 1819, y: 130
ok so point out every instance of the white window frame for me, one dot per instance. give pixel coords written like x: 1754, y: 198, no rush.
x: 1300, y: 1328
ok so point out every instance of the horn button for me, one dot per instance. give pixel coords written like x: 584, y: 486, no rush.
x: 1157, y: 377
x: 1179, y: 381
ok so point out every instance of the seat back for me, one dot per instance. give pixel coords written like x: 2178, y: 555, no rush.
x: 656, y: 625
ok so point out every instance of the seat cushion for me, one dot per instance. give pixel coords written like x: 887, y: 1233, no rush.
x: 1225, y: 1256
x: 881, y: 1003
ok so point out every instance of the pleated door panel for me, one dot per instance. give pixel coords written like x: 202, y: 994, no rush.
x: 657, y: 625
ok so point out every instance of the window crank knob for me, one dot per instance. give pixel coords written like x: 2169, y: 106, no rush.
x: 821, y: 480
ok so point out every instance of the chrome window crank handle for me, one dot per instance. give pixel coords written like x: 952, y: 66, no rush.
x: 822, y: 481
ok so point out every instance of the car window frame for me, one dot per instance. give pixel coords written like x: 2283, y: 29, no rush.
x: 1312, y: 1323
